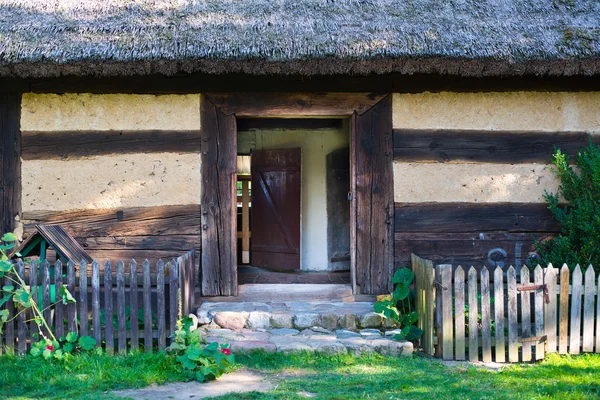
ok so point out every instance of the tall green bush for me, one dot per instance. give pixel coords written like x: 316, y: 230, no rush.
x: 576, y: 207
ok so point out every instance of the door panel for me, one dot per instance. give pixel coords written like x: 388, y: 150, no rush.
x: 372, y: 182
x: 276, y: 190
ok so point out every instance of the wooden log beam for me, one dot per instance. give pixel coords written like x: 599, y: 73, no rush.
x: 508, y: 147
x: 74, y: 144
x: 10, y: 160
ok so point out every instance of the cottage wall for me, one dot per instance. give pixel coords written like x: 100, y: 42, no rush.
x: 470, y: 170
x: 117, y: 170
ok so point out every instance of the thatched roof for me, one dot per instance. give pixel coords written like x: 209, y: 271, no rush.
x: 139, y: 37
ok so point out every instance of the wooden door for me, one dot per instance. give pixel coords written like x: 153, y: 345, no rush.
x: 276, y: 208
x: 372, y: 208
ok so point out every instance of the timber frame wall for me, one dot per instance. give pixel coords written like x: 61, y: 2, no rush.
x: 10, y: 160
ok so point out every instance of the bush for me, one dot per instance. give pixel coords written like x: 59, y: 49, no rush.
x: 579, y: 238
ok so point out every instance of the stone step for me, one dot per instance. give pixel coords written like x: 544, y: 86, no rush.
x: 255, y: 292
x: 287, y: 340
x: 291, y: 314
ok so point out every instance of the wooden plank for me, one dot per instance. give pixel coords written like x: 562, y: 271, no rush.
x: 539, y: 302
x: 265, y: 104
x: 173, y: 296
x: 288, y: 124
x: 513, y: 350
x: 575, y: 316
x: 459, y: 313
x: 9, y: 326
x: 10, y: 160
x: 121, y: 322
x: 46, y: 304
x: 486, y: 323
x: 72, y: 307
x: 507, y: 147
x: 473, y: 217
x: 108, y: 309
x: 563, y: 335
x: 429, y: 307
x: 550, y: 317
x: 245, y: 222
x: 160, y: 305
x: 63, y: 145
x: 588, y: 310
x: 21, y: 320
x: 473, y: 311
x: 500, y: 349
x: 598, y: 316
x: 96, y: 323
x: 133, y: 306
x: 83, y: 300
x: 147, y: 308
x: 167, y: 242
x: 219, y: 266
x: 122, y: 222
x: 62, y: 242
x: 371, y: 134
x: 438, y: 312
x: 460, y: 248
x: 526, y: 315
x: 59, y: 310
x: 447, y: 321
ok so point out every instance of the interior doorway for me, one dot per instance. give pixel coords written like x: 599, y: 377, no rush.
x: 292, y: 202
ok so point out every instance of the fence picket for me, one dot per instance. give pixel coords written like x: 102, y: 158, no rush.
x: 538, y: 278
x: 486, y: 323
x: 588, y: 310
x: 133, y: 306
x: 525, y: 315
x: 429, y: 300
x: 575, y: 317
x: 83, y: 303
x: 173, y: 296
x: 550, y: 325
x: 72, y: 307
x: 59, y: 311
x: 96, y: 324
x: 160, y: 304
x: 447, y: 323
x: 46, y: 311
x: 108, y: 309
x: 9, y: 327
x: 563, y: 335
x: 598, y: 316
x: 21, y: 320
x: 513, y: 350
x: 147, y: 308
x: 121, y: 335
x: 499, y: 314
x: 459, y: 311
x: 473, y: 311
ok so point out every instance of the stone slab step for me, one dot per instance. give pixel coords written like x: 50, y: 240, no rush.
x: 291, y: 315
x: 256, y: 292
x: 288, y: 340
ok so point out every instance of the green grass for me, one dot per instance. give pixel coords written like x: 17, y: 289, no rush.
x: 301, y: 375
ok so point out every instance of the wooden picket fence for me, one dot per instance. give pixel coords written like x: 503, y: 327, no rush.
x: 121, y: 306
x: 508, y: 316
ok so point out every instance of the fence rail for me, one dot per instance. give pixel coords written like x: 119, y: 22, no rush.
x: 113, y: 305
x: 503, y: 316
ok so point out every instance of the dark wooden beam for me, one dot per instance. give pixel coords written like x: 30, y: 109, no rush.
x: 485, y: 146
x: 261, y: 104
x: 473, y: 218
x: 10, y: 160
x: 253, y: 124
x: 74, y: 144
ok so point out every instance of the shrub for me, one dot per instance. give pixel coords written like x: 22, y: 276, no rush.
x: 579, y: 238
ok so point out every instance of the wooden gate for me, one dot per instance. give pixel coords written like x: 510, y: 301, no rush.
x: 510, y: 315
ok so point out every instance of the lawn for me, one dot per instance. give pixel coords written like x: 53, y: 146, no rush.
x: 302, y: 376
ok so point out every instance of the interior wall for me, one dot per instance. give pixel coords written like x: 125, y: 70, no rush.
x: 315, y: 145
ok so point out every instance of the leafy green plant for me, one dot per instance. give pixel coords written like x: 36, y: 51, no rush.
x: 579, y: 238
x: 398, y: 306
x: 204, y: 361
x: 64, y: 347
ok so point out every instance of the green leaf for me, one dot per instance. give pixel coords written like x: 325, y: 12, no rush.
x: 71, y: 337
x: 46, y: 354
x: 387, y: 309
x: 403, y: 275
x: 409, y: 318
x: 4, y: 315
x: 68, y: 347
x: 200, y: 376
x: 5, y: 247
x: 212, y: 346
x: 401, y: 292
x: 67, y: 297
x: 194, y: 353
x: 5, y: 265
x: 9, y: 237
x: 36, y: 351
x: 8, y: 288
x: 5, y: 299
x: 87, y: 342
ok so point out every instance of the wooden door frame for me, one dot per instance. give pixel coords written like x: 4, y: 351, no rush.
x: 303, y: 105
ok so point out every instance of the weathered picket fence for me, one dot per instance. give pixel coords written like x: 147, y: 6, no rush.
x: 119, y: 305
x: 505, y: 316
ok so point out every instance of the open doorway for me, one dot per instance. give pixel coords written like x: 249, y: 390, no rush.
x: 293, y: 213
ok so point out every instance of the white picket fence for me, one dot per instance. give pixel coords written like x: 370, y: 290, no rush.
x: 510, y: 316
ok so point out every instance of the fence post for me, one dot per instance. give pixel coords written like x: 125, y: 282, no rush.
x: 538, y: 277
x: 173, y: 296
x: 59, y: 320
x: 551, y: 280
x: 424, y: 273
x: 513, y: 350
x: 563, y: 337
x: 499, y: 314
x: 121, y: 334
x: 133, y: 309
x: 96, y: 324
x: 525, y: 315
x: 160, y: 304
x: 486, y: 323
x: 588, y: 310
x: 108, y: 308
x: 575, y: 317
x: 473, y: 313
x: 83, y: 305
x: 459, y: 312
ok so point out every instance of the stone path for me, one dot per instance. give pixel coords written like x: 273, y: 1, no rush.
x: 236, y: 382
